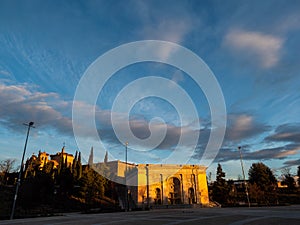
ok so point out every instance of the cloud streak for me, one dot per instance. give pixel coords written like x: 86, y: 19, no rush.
x: 265, y: 47
x: 285, y: 133
x: 283, y: 152
x: 243, y: 126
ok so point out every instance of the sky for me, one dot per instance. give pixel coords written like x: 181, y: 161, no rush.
x: 252, y: 49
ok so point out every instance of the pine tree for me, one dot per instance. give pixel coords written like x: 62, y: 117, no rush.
x: 220, y: 175
x: 92, y: 185
x: 263, y: 177
x: 220, y: 187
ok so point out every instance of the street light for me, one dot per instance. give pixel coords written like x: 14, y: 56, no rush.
x: 242, y: 165
x: 21, y: 168
x: 126, y: 191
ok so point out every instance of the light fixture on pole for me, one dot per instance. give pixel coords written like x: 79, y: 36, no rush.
x: 126, y: 190
x: 21, y: 169
x: 242, y: 165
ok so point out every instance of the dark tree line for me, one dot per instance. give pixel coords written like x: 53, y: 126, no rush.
x: 62, y: 187
x: 261, y: 186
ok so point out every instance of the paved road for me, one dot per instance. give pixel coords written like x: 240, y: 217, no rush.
x: 234, y: 216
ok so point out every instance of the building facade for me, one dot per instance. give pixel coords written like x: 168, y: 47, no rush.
x: 168, y: 184
x: 160, y: 184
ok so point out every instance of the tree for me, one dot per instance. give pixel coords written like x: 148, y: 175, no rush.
x: 74, y: 165
x: 106, y: 157
x: 288, y: 180
x: 256, y: 194
x: 6, y: 167
x: 66, y: 180
x: 298, y: 174
x: 220, y: 187
x: 79, y: 166
x: 91, y: 158
x: 37, y: 189
x: 263, y: 177
x: 92, y: 185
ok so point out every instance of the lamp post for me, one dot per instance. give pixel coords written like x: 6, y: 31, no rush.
x: 242, y: 165
x: 126, y: 191
x: 21, y: 168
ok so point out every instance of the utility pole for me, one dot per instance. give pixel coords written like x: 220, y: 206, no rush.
x: 242, y: 165
x: 21, y: 168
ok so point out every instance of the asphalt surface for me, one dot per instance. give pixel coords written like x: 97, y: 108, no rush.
x: 234, y: 216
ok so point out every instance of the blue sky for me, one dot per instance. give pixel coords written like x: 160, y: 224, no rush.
x: 251, y: 47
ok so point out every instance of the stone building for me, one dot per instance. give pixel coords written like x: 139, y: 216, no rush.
x: 62, y: 156
x: 160, y: 184
x: 42, y: 159
x: 168, y: 184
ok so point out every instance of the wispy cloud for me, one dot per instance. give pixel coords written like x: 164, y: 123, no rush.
x: 292, y: 162
x: 243, y: 126
x: 163, y: 25
x: 265, y: 47
x: 282, y: 152
x: 4, y: 73
x: 286, y: 139
x: 285, y: 133
x: 160, y: 24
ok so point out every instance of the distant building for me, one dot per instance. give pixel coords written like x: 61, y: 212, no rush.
x: 42, y: 159
x: 62, y: 157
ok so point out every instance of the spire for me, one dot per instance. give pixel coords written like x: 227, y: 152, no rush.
x: 91, y: 158
x: 63, y: 148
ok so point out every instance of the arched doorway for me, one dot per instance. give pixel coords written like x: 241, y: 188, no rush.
x: 157, y: 196
x: 191, y: 196
x: 174, y: 191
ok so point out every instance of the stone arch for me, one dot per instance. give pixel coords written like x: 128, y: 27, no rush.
x: 174, y: 186
x: 157, y: 196
x: 191, y: 193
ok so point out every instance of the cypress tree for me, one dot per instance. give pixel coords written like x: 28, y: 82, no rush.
x: 91, y: 158
x: 106, y: 157
x: 79, y: 166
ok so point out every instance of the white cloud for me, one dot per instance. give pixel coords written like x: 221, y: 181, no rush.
x: 242, y: 126
x: 20, y: 104
x: 264, y: 46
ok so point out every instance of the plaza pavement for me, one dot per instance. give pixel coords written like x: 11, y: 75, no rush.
x: 234, y: 216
